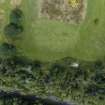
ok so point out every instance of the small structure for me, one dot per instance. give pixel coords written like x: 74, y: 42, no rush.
x: 75, y: 65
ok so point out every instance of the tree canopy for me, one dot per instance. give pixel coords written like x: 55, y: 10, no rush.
x: 15, y: 26
x: 13, y: 29
x: 7, y: 50
x: 16, y: 16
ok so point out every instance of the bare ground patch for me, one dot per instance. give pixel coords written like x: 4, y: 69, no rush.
x: 63, y: 10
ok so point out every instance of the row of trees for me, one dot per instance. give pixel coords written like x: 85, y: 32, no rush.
x: 12, y: 31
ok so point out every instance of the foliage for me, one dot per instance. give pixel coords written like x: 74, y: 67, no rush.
x: 15, y: 26
x: 99, y: 64
x: 59, y: 78
x: 12, y: 30
x: 7, y: 50
x: 16, y: 16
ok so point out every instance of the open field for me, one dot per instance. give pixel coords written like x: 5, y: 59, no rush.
x: 49, y: 40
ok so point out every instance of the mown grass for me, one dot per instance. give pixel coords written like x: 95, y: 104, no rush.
x: 50, y: 40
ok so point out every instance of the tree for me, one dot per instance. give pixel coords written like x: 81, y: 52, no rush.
x: 16, y: 16
x: 7, y: 50
x: 13, y: 30
x: 99, y: 77
x: 15, y: 26
x: 98, y: 65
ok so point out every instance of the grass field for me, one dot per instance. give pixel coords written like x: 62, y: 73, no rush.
x: 50, y: 40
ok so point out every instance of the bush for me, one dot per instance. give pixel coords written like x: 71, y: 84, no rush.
x: 13, y: 29
x: 37, y: 64
x: 16, y: 16
x: 99, y: 77
x: 98, y: 65
x: 94, y: 90
x: 15, y: 26
x: 7, y: 50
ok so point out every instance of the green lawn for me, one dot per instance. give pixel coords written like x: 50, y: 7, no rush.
x: 50, y: 40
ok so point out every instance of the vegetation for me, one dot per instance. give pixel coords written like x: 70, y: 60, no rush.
x: 13, y: 29
x: 16, y: 16
x: 16, y: 98
x: 15, y: 26
x: 7, y: 50
x: 84, y: 84
x: 59, y: 79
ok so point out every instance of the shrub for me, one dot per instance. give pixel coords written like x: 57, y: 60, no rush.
x: 16, y: 16
x: 15, y: 26
x: 94, y: 90
x: 98, y: 65
x: 7, y: 50
x: 99, y: 77
x: 13, y: 29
